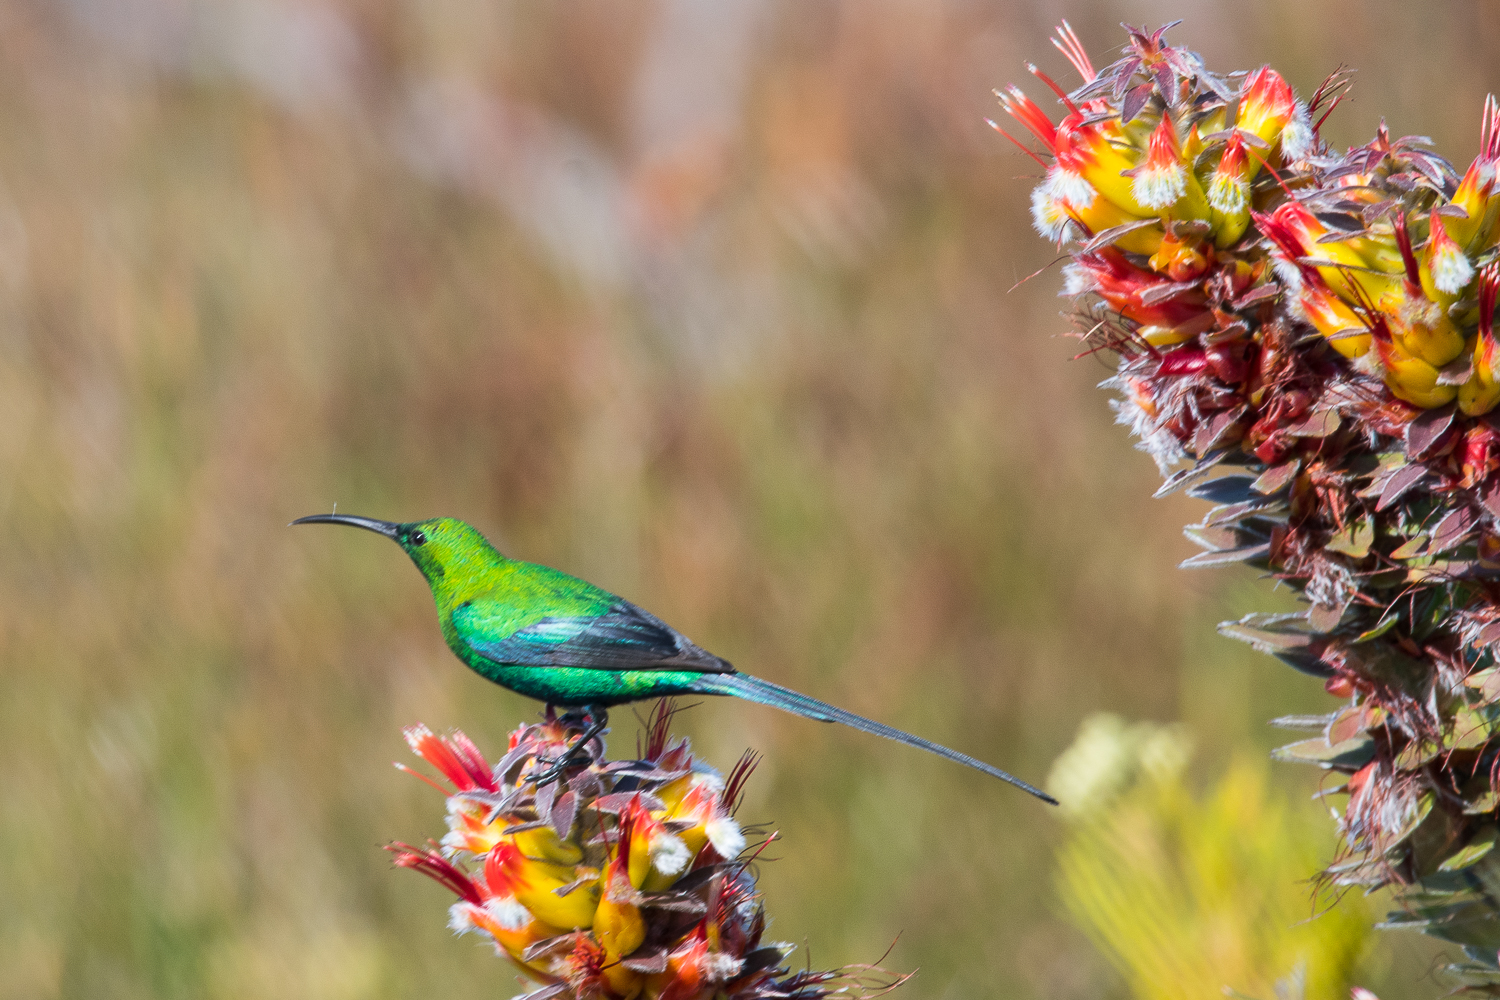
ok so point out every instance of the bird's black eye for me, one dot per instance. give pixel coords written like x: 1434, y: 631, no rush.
x: 417, y: 538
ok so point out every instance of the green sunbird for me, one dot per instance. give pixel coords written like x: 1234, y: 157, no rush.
x: 560, y: 640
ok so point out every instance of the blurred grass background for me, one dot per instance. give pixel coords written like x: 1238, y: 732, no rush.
x: 706, y: 302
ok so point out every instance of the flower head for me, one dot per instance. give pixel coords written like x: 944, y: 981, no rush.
x: 560, y: 895
x: 618, y: 925
x: 584, y: 884
x: 1333, y: 318
x: 1166, y: 315
x: 1271, y: 113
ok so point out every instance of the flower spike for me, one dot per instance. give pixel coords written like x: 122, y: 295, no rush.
x: 1328, y: 327
x: 587, y: 888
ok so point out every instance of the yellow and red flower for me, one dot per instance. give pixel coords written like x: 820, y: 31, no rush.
x: 1270, y: 112
x: 582, y: 886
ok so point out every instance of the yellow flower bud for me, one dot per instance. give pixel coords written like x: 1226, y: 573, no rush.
x: 1481, y: 392
x: 617, y: 923
x: 1408, y: 377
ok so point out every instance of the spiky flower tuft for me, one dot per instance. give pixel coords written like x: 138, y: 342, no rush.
x: 1313, y: 330
x: 623, y: 880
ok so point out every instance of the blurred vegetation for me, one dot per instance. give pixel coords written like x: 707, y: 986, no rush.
x: 708, y: 303
x: 1200, y: 895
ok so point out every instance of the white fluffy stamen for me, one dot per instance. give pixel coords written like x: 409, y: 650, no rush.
x: 1228, y: 193
x: 725, y: 834
x: 1157, y: 442
x: 1048, y: 215
x: 1158, y: 187
x: 1297, y: 139
x: 669, y: 855
x: 719, y: 967
x: 1451, y: 270
x: 1077, y: 280
x: 461, y: 917
x: 1289, y: 273
x: 508, y: 912
x: 1071, y: 187
x: 1420, y: 311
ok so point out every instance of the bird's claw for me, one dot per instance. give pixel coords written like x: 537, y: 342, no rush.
x: 576, y: 754
x: 559, y: 766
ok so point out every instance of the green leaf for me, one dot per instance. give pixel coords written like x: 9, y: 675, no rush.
x: 1432, y: 607
x: 1231, y: 489
x: 1409, y: 548
x: 1355, y: 540
x: 1474, y: 974
x: 1452, y: 529
x: 1185, y: 477
x: 1440, y: 885
x: 1304, y: 723
x: 1473, y: 924
x: 1318, y: 424
x: 1349, y: 722
x: 1213, y: 539
x: 1482, y: 843
x: 1486, y: 802
x: 1351, y: 753
x: 1204, y: 560
x: 1417, y: 753
x: 1487, y: 683
x: 1270, y: 633
x: 1230, y: 513
x: 1275, y: 479
x: 1381, y: 628
x: 1419, y: 816
x: 1471, y: 728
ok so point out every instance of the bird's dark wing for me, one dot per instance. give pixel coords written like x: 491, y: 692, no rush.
x: 624, y: 637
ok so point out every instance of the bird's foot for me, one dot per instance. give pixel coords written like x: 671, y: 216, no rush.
x: 558, y: 769
x: 576, y: 754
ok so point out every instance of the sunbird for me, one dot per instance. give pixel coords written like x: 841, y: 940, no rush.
x: 563, y: 641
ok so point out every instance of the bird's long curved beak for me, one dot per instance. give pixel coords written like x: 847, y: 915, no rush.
x: 386, y: 528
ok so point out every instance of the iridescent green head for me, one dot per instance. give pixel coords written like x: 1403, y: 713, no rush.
x: 440, y: 546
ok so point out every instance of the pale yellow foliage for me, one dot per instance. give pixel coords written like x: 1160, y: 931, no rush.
x: 1196, y: 895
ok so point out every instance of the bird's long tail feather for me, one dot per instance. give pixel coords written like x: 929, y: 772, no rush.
x: 765, y: 693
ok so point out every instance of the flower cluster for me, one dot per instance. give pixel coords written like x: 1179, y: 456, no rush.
x: 1312, y: 332
x: 1381, y: 250
x: 619, y: 880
